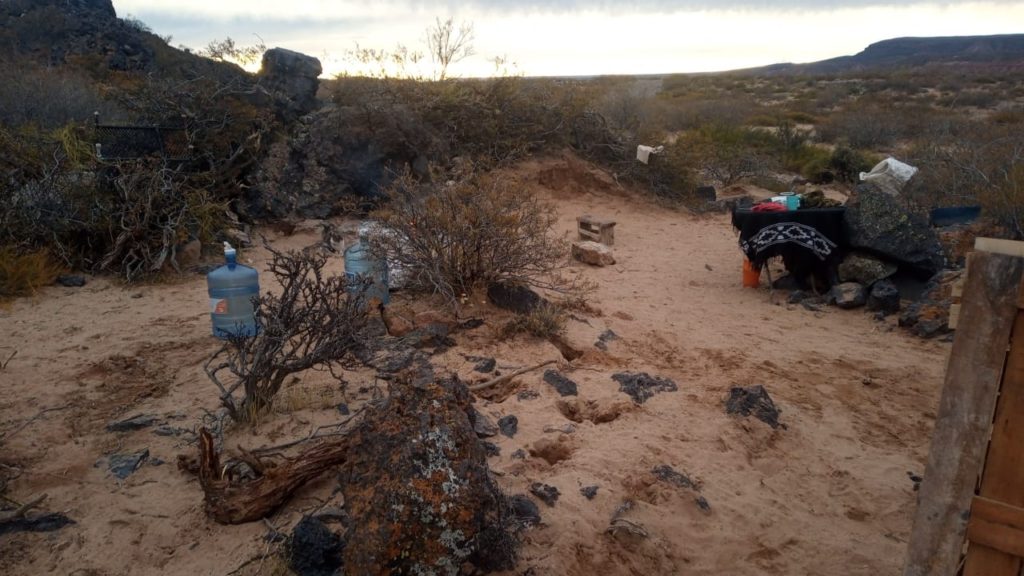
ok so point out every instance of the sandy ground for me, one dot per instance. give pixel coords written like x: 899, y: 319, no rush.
x: 828, y: 494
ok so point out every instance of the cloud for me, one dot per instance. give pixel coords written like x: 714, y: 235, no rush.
x: 345, y: 9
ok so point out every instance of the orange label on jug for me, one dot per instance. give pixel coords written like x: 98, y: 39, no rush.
x: 218, y: 306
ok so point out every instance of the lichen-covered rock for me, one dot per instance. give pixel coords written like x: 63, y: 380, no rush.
x: 878, y: 223
x: 418, y: 489
x: 864, y: 269
x: 593, y: 253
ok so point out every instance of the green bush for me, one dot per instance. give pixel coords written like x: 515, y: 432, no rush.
x: 815, y: 165
x: 847, y: 164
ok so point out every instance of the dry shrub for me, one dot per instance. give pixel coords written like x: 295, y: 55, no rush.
x: 973, y: 164
x: 155, y: 210
x: 545, y: 321
x: 127, y: 217
x: 315, y: 322
x: 22, y: 273
x: 455, y: 237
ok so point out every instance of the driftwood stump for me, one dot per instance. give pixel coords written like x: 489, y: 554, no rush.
x: 418, y: 490
x: 234, y: 500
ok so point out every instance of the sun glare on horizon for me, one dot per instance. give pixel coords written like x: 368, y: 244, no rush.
x: 579, y: 39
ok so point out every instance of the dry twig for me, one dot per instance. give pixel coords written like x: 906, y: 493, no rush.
x: 507, y: 377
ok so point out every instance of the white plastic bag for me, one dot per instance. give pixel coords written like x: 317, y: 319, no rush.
x: 890, y: 175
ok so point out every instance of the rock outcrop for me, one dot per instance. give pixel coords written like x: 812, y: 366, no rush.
x: 335, y: 158
x: 293, y: 78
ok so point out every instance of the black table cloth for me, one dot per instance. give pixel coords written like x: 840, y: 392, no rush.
x: 810, y: 241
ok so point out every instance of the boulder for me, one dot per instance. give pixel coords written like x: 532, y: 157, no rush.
x: 592, y: 253
x: 292, y: 75
x: 876, y: 222
x: 884, y: 297
x: 849, y: 295
x: 864, y: 269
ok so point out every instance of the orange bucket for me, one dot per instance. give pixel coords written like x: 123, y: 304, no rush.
x: 751, y: 275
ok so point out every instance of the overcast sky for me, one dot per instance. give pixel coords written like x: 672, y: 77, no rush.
x: 578, y: 37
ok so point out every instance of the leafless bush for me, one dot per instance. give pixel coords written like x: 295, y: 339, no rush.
x: 316, y: 322
x: 980, y: 164
x: 155, y: 210
x: 452, y: 238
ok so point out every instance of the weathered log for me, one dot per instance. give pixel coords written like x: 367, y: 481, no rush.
x: 418, y: 490
x: 231, y: 499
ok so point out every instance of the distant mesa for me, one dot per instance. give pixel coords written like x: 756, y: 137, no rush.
x: 906, y: 52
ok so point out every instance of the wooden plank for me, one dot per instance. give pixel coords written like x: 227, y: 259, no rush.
x: 1003, y: 478
x: 996, y: 525
x: 1000, y: 246
x: 954, y: 316
x: 973, y: 375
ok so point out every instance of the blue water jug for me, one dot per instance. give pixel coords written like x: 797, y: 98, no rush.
x: 232, y: 288
x: 359, y: 262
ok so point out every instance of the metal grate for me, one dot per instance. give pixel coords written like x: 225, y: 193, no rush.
x: 129, y: 142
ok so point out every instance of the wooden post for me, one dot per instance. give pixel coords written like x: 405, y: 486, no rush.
x: 962, y: 428
x: 996, y: 529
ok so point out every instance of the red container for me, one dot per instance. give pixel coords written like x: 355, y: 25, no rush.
x: 751, y: 275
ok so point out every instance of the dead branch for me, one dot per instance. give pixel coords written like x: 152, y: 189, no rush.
x: 507, y: 377
x: 8, y: 435
x: 20, y: 511
x: 3, y: 365
x: 235, y: 501
x: 314, y: 434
